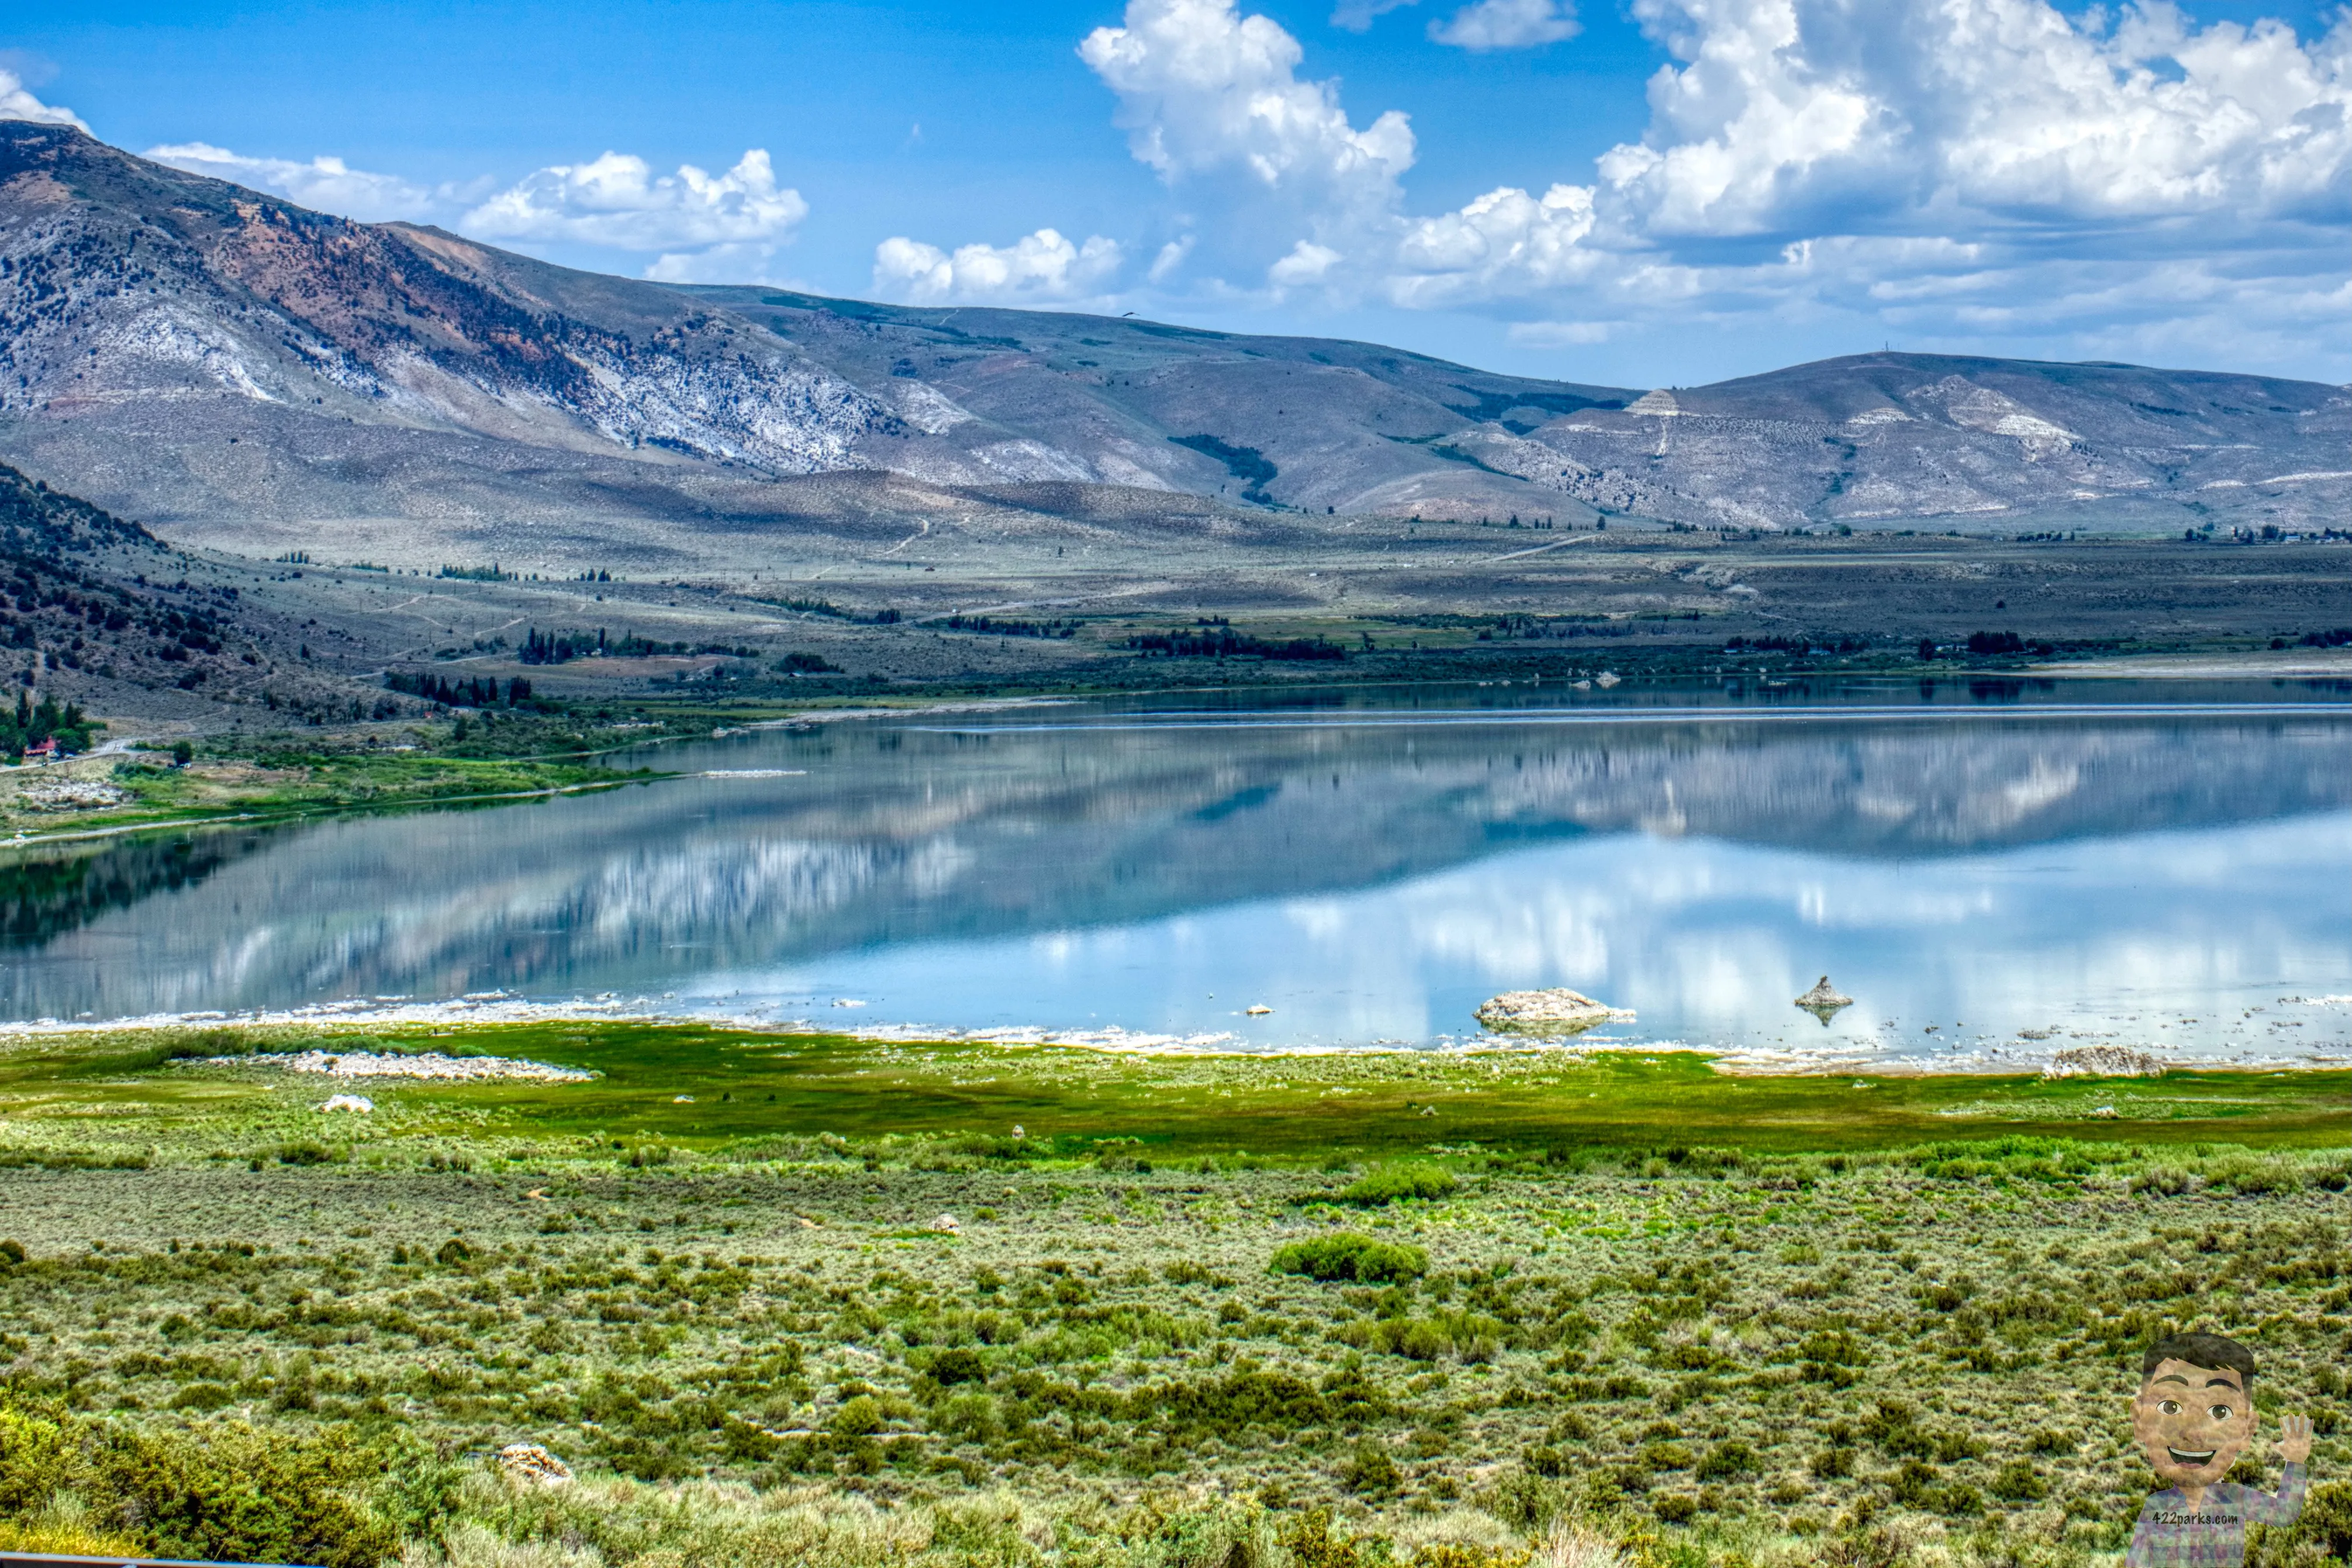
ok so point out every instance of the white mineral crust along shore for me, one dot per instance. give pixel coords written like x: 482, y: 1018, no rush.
x: 2104, y: 1061
x: 424, y: 1065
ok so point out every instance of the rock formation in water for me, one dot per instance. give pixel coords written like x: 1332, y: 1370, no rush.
x: 1555, y: 1012
x: 1825, y: 1001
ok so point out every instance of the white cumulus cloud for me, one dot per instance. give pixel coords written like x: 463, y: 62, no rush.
x: 1204, y: 90
x: 1508, y: 25
x: 1506, y: 242
x: 617, y: 200
x: 17, y: 103
x: 740, y: 263
x: 1172, y: 256
x: 1307, y: 263
x: 1790, y: 112
x: 1212, y: 99
x: 706, y: 228
x: 1956, y: 171
x: 1037, y: 269
x: 325, y: 184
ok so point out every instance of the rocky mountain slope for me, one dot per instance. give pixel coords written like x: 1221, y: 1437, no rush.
x: 238, y: 371
x: 98, y: 611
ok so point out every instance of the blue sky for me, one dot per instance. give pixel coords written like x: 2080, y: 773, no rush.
x: 1510, y: 183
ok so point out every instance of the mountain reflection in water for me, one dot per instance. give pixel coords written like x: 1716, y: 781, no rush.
x: 1370, y: 880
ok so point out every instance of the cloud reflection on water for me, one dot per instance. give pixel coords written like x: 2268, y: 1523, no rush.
x: 1370, y: 881
x: 1707, y: 941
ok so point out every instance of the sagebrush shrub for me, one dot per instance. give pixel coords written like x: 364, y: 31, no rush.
x: 1349, y: 1256
x: 1409, y: 1179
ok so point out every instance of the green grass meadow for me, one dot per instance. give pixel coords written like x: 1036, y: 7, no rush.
x: 813, y: 1299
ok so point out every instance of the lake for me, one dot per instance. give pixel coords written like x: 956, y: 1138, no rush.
x: 1993, y: 869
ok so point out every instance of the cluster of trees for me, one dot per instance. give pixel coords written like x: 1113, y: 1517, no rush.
x: 472, y: 693
x: 2269, y: 534
x: 563, y: 647
x: 31, y: 723
x: 1798, y: 644
x: 1985, y: 644
x: 1990, y: 645
x: 1223, y: 642
x: 631, y: 646
x: 1009, y: 628
x: 560, y: 647
x: 800, y: 662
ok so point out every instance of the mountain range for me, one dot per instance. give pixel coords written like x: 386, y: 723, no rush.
x: 233, y: 370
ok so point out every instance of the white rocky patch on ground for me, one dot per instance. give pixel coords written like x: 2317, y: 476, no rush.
x: 2104, y: 1061
x: 930, y: 410
x: 71, y: 795
x: 1034, y: 460
x: 789, y: 418
x: 425, y: 1065
x: 528, y: 1464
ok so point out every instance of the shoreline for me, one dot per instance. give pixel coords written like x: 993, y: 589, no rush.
x: 294, y: 813
x: 488, y: 1013
x: 2294, y: 664
x: 262, y: 812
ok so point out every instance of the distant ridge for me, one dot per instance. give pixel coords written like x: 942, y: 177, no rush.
x: 215, y: 361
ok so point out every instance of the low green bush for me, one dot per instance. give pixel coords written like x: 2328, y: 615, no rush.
x: 2019, y: 1480
x: 1349, y: 1256
x: 225, y: 1491
x: 1409, y: 1179
x: 1727, y: 1459
x: 2256, y: 1174
x: 33, y: 1458
x: 1370, y: 1472
x: 2322, y: 1535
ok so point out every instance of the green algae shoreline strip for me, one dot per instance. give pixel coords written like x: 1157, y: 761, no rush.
x: 324, y: 808
x: 710, y: 1090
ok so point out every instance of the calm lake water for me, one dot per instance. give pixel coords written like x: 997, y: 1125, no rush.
x: 2167, y: 868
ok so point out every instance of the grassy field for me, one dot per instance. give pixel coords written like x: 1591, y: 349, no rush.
x: 816, y: 1300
